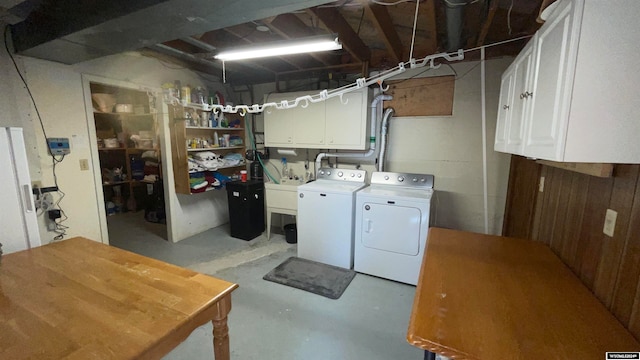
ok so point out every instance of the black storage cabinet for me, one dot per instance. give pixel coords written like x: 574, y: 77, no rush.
x: 246, y: 208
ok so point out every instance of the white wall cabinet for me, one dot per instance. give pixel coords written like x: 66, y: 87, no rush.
x: 331, y: 124
x: 578, y: 104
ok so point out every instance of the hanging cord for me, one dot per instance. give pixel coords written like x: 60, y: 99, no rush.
x: 415, y: 24
x: 509, y: 17
x: 59, y: 229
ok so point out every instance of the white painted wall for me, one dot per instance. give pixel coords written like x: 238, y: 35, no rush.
x: 448, y: 147
x: 62, y: 100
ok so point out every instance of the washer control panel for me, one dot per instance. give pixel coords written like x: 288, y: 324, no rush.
x: 402, y: 179
x: 342, y: 174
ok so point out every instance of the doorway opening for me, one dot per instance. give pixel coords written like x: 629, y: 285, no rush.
x: 128, y: 141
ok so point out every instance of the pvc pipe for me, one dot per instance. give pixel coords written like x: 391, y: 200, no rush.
x: 384, y: 127
x: 484, y: 141
x: 376, y: 105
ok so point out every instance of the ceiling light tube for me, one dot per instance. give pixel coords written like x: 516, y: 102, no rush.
x: 287, y: 47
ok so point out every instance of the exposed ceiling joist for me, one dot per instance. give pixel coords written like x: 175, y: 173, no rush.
x: 332, y: 19
x: 199, y: 44
x: 431, y: 42
x: 484, y: 30
x: 70, y: 31
x: 240, y: 32
x: 384, y: 25
x: 290, y: 27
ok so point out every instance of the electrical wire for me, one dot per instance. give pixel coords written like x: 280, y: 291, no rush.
x: 509, y: 17
x: 59, y: 228
x: 415, y: 25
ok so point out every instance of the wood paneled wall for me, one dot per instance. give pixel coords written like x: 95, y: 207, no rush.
x: 569, y: 216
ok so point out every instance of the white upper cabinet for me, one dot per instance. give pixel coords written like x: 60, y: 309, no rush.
x: 580, y: 104
x: 281, y: 124
x: 332, y: 124
x: 553, y: 74
x: 521, y: 104
x: 346, y: 121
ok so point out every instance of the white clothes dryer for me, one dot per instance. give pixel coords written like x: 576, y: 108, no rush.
x: 392, y: 221
x: 326, y: 216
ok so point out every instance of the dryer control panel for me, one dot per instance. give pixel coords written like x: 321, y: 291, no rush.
x: 418, y: 181
x: 342, y: 174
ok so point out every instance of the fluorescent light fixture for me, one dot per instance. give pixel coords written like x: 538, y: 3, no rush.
x: 286, y: 47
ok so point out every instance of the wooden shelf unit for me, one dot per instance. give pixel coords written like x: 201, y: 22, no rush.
x: 180, y: 152
x: 122, y: 126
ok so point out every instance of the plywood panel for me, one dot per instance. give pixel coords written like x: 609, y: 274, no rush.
x: 591, y: 236
x: 621, y: 201
x: 574, y: 219
x: 537, y: 211
x: 561, y: 187
x: 569, y: 216
x: 629, y: 273
x: 552, y: 187
x: 523, y: 175
x: 595, y: 169
x: 432, y: 96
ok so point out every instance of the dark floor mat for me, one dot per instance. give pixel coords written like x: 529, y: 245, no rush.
x: 318, y: 278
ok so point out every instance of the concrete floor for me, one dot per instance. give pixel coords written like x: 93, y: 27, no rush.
x: 272, y: 321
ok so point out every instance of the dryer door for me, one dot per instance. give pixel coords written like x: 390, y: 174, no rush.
x: 391, y: 228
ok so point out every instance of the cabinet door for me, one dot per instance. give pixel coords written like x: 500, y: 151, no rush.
x: 521, y: 105
x: 278, y: 126
x: 549, y: 103
x: 505, y: 105
x: 309, y: 125
x: 346, y: 121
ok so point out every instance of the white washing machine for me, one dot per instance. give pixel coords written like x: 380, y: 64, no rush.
x: 325, y: 220
x: 392, y: 220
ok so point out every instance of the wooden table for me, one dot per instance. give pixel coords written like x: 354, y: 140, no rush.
x: 493, y: 297
x: 80, y: 299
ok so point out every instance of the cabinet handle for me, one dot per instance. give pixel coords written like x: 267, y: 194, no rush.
x: 505, y: 107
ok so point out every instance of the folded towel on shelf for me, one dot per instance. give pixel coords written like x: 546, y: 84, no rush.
x: 194, y: 166
x: 151, y: 155
x: 233, y: 159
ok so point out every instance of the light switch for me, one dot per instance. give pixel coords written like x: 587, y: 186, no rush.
x: 610, y: 222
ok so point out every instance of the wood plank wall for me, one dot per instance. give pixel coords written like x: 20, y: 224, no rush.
x: 569, y: 217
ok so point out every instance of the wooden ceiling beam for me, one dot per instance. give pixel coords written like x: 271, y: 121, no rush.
x: 484, y: 29
x: 335, y: 22
x: 429, y: 15
x: 239, y: 32
x: 381, y: 19
x: 290, y: 27
x: 183, y: 46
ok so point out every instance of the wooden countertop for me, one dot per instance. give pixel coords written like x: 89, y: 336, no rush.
x: 80, y: 299
x: 493, y: 297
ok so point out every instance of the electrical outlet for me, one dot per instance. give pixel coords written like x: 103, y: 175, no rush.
x: 84, y: 164
x: 610, y: 222
x: 541, y: 184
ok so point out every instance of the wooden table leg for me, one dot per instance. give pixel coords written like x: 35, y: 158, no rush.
x: 221, y: 330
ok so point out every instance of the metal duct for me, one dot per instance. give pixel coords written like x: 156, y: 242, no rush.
x: 69, y: 31
x: 454, y: 14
